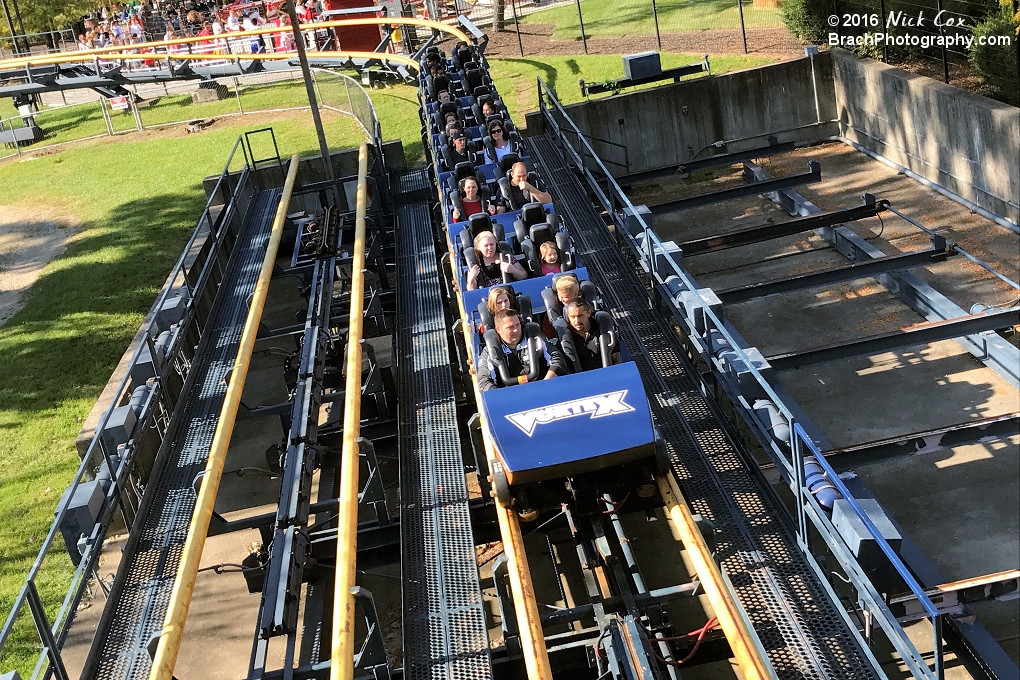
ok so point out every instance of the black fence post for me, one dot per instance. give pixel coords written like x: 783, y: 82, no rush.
x: 945, y: 56
x: 517, y: 26
x: 655, y: 16
x: 743, y: 29
x: 1016, y: 46
x: 885, y: 45
x: 580, y: 23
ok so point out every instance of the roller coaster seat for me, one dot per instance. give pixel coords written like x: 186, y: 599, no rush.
x: 608, y: 340
x: 532, y: 335
x: 478, y: 223
x: 522, y: 303
x: 456, y: 203
x: 553, y: 306
x: 439, y: 84
x: 471, y: 256
x: 532, y: 214
x: 462, y: 170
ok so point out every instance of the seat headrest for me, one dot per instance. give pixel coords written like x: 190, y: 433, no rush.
x: 532, y: 213
x: 462, y: 170
x: 449, y: 107
x: 480, y: 91
x: 479, y: 223
x: 540, y: 233
x: 508, y: 162
x: 441, y: 82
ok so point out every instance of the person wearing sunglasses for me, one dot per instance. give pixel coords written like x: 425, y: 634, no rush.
x: 500, y: 143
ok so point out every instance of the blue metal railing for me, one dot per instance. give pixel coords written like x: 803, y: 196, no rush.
x: 659, y: 263
x: 52, y: 636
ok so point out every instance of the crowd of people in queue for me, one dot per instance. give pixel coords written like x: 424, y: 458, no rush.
x: 127, y: 24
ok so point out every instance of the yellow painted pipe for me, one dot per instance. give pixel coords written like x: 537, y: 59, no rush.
x: 256, y: 56
x: 184, y: 584
x: 342, y: 648
x: 86, y: 55
x: 529, y: 621
x: 752, y: 664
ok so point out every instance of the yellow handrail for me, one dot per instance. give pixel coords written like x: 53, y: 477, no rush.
x: 529, y: 621
x: 752, y: 664
x: 341, y: 665
x: 257, y: 56
x: 86, y: 55
x: 184, y: 584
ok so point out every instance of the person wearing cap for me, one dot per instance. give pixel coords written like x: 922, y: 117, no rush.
x: 458, y: 152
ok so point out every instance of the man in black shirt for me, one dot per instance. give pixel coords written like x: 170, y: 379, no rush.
x: 522, y: 191
x: 584, y: 332
x: 514, y: 349
x: 458, y: 151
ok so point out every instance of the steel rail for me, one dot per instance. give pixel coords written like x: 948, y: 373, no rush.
x: 753, y: 666
x: 342, y: 645
x: 529, y: 620
x: 184, y: 583
x: 87, y: 55
x: 255, y: 56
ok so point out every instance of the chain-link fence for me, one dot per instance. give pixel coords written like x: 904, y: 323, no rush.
x: 82, y: 114
x: 621, y: 26
x: 37, y: 43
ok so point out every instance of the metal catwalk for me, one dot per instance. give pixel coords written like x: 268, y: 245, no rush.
x: 802, y: 631
x: 138, y: 601
x: 445, y: 633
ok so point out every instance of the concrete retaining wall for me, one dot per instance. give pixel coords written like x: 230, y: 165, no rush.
x: 672, y: 124
x: 964, y: 142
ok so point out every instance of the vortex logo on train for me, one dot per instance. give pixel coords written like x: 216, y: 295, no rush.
x: 596, y: 406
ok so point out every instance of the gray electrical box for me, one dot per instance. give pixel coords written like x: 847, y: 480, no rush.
x: 642, y: 65
x: 81, y: 516
x: 863, y: 545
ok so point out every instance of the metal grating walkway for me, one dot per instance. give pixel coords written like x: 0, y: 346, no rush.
x: 135, y: 612
x: 800, y: 629
x: 445, y: 637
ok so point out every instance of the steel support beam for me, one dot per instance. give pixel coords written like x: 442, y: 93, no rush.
x: 770, y: 149
x: 870, y: 208
x: 922, y: 333
x: 936, y: 253
x: 992, y: 350
x: 755, y: 187
x: 773, y: 148
x: 928, y: 441
x: 951, y: 598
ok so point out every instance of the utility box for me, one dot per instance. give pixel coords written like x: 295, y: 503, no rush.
x: 861, y: 543
x: 82, y: 514
x: 209, y: 91
x: 642, y: 65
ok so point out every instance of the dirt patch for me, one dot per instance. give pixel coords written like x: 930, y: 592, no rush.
x: 537, y: 40
x: 30, y: 236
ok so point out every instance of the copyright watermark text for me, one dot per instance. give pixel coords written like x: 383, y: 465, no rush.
x: 941, y: 29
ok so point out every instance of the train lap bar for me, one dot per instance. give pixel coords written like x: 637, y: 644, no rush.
x: 603, y: 414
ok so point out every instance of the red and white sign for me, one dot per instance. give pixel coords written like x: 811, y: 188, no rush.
x: 119, y: 103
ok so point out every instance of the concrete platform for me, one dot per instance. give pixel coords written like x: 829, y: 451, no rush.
x: 959, y: 504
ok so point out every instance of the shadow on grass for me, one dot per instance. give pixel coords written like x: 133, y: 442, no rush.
x: 81, y: 313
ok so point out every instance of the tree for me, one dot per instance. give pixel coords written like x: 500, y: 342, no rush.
x: 45, y: 15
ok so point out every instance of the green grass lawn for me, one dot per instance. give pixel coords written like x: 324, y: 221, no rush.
x: 137, y: 198
x: 616, y: 18
x: 515, y: 77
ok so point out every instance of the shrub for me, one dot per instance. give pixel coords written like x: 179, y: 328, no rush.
x: 806, y: 19
x: 997, y: 64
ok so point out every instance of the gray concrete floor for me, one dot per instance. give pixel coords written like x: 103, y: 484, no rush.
x: 960, y: 504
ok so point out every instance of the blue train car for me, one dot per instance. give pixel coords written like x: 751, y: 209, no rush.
x: 586, y: 419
